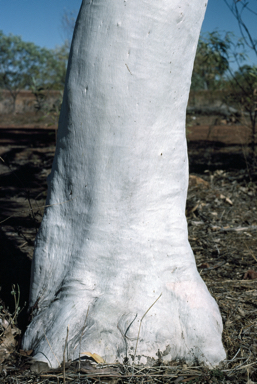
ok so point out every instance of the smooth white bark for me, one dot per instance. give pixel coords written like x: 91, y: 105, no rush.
x: 115, y: 235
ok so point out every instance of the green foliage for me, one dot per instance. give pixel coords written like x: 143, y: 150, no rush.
x: 211, y: 62
x: 58, y: 65
x: 24, y: 65
x: 39, y: 94
x: 17, y: 60
x: 213, y: 70
x: 242, y: 88
x: 54, y: 111
x: 218, y: 374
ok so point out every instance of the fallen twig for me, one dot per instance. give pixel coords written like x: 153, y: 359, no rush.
x: 65, y: 345
x: 82, y: 332
x: 214, y: 267
x: 236, y: 229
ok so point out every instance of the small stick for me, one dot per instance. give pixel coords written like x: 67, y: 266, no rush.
x: 51, y: 349
x: 252, y: 254
x: 128, y: 69
x: 82, y: 332
x: 214, y: 267
x: 125, y: 335
x: 141, y: 323
x: 239, y: 229
x: 65, y: 345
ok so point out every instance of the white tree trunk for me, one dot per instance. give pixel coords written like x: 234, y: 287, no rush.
x: 114, y: 236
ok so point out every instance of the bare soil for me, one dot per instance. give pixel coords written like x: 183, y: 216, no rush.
x: 38, y: 119
x: 222, y: 224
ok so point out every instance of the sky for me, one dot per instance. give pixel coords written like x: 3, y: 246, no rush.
x: 39, y: 21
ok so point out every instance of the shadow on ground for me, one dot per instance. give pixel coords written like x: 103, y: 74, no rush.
x: 215, y: 155
x: 26, y: 159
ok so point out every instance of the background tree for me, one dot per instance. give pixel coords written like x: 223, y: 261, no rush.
x: 242, y: 94
x: 24, y: 64
x: 216, y: 60
x: 58, y: 65
x: 211, y: 62
x: 18, y: 61
x: 243, y: 82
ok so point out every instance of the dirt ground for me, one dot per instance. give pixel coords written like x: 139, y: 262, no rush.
x: 222, y: 225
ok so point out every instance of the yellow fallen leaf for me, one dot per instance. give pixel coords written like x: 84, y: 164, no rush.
x: 94, y: 356
x: 98, y: 358
x: 87, y: 354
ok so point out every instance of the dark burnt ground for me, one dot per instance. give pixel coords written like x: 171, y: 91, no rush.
x: 26, y: 159
x: 222, y: 223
